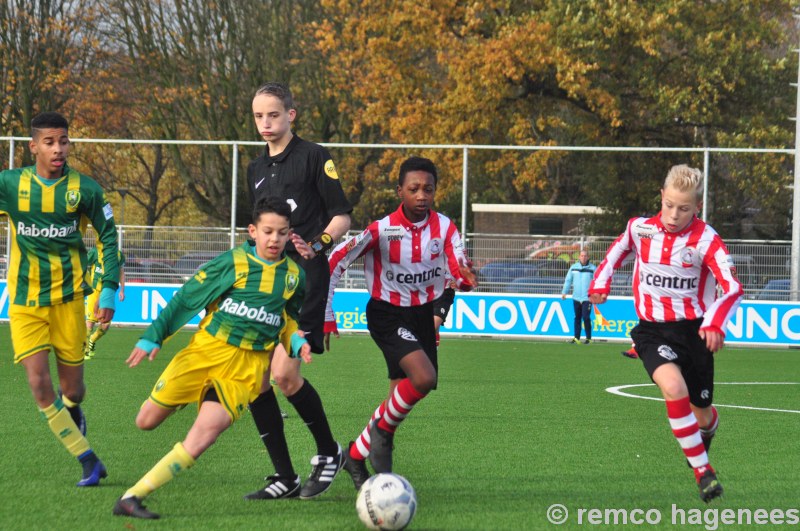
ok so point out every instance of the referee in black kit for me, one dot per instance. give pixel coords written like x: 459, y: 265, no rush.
x: 303, y: 174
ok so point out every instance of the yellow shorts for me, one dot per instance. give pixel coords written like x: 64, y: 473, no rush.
x: 91, y: 301
x: 236, y: 375
x: 60, y: 327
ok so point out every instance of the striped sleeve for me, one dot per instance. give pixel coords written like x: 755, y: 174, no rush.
x: 454, y: 251
x: 720, y: 263
x: 206, y: 286
x: 99, y: 212
x: 615, y: 257
x: 345, y: 254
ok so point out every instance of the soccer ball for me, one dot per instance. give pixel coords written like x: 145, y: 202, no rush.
x: 386, y: 501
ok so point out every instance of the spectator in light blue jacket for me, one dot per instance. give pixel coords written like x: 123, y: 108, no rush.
x: 578, y: 279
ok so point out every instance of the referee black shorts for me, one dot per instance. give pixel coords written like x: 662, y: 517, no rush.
x: 399, y: 331
x: 679, y: 343
x: 442, y: 305
x: 312, y: 314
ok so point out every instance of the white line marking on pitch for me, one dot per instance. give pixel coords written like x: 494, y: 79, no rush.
x: 618, y: 391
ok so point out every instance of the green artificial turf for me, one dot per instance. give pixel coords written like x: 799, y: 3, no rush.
x: 515, y: 427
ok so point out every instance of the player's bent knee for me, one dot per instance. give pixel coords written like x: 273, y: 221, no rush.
x: 75, y: 398
x: 673, y: 390
x: 74, y: 391
x: 289, y: 385
x: 289, y: 380
x: 425, y: 384
x: 146, y: 423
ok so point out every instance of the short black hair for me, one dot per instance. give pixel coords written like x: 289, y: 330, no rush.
x: 271, y: 205
x: 48, y: 120
x: 417, y: 164
x: 279, y: 90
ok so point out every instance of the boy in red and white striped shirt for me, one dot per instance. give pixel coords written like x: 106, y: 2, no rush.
x: 407, y: 256
x: 680, y: 263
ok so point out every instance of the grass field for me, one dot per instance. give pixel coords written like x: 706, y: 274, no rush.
x: 514, y: 428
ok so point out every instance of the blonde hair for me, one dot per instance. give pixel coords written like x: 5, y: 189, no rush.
x: 686, y: 179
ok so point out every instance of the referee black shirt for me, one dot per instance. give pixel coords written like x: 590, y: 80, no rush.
x: 304, y: 176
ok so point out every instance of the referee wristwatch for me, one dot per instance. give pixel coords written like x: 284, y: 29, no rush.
x: 321, y: 243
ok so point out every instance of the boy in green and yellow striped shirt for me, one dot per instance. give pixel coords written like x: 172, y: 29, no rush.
x: 252, y: 296
x: 49, y: 205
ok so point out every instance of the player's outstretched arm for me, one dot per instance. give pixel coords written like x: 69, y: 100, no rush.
x: 137, y: 355
x: 144, y: 349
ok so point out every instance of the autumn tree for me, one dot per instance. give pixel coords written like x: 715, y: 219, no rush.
x: 45, y: 46
x: 600, y: 72
x: 104, y: 104
x: 197, y: 65
x: 689, y: 74
x: 500, y: 72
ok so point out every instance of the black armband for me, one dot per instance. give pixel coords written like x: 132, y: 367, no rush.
x: 321, y: 243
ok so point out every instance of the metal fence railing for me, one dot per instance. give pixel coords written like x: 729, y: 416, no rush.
x: 713, y: 169
x: 538, y: 264
x: 505, y: 263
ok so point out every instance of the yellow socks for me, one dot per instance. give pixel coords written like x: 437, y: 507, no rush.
x: 64, y: 428
x: 176, y: 460
x: 96, y: 334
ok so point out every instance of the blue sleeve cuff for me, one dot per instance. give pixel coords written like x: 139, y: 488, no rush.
x: 147, y: 345
x: 297, y: 344
x: 107, y: 298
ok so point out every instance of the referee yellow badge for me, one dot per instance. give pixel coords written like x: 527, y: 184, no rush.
x: 73, y: 198
x: 330, y: 170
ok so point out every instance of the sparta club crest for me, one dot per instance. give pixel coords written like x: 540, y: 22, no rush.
x: 688, y: 255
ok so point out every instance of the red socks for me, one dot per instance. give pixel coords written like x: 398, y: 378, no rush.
x: 389, y: 414
x: 399, y: 405
x: 360, y: 449
x: 686, y: 430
